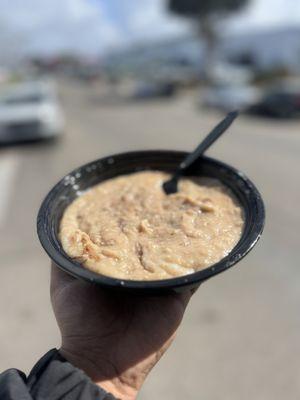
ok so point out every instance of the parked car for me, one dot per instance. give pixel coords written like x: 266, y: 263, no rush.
x: 230, y: 97
x: 231, y: 74
x: 281, y: 102
x: 146, y: 91
x: 29, y: 111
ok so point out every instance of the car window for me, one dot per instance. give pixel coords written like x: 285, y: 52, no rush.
x: 12, y: 100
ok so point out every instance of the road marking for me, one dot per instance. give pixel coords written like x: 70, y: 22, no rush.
x: 8, y: 172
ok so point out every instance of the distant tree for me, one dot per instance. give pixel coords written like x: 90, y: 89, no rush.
x: 206, y: 14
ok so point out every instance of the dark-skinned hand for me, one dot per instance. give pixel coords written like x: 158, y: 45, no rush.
x: 115, y: 338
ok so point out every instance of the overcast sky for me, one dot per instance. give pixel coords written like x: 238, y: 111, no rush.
x: 90, y: 26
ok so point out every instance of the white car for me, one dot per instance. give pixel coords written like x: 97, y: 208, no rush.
x: 231, y: 97
x: 29, y: 111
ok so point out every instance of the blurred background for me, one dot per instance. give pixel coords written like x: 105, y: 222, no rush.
x: 81, y: 79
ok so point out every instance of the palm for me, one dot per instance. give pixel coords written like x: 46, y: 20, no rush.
x: 126, y: 333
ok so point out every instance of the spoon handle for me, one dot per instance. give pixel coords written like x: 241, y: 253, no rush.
x: 208, y: 141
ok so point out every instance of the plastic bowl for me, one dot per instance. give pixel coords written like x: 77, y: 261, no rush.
x: 83, y: 178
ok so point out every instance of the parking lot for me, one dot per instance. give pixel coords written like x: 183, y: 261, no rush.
x: 240, y: 336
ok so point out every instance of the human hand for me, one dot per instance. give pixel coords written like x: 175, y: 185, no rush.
x: 115, y: 338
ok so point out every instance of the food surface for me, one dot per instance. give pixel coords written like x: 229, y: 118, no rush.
x: 128, y: 228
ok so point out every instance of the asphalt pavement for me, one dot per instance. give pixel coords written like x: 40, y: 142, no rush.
x: 240, y: 336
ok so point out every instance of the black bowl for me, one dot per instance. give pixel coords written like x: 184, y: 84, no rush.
x: 83, y: 178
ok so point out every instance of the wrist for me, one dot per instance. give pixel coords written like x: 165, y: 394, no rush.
x: 102, y: 373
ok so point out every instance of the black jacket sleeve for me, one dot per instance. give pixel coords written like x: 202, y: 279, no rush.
x: 52, y: 378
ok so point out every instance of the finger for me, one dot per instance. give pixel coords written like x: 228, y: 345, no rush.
x: 187, y: 294
x: 59, y: 278
x: 184, y: 298
x: 194, y: 290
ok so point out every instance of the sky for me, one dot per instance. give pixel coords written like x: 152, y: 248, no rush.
x: 93, y: 26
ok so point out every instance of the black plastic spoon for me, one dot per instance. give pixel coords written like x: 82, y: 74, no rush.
x: 171, y: 185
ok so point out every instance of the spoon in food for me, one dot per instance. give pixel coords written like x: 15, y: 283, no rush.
x: 171, y: 186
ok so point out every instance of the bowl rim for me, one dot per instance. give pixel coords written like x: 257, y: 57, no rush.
x: 63, y: 261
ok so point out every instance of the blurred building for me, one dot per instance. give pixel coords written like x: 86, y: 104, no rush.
x: 261, y: 51
x: 264, y: 50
